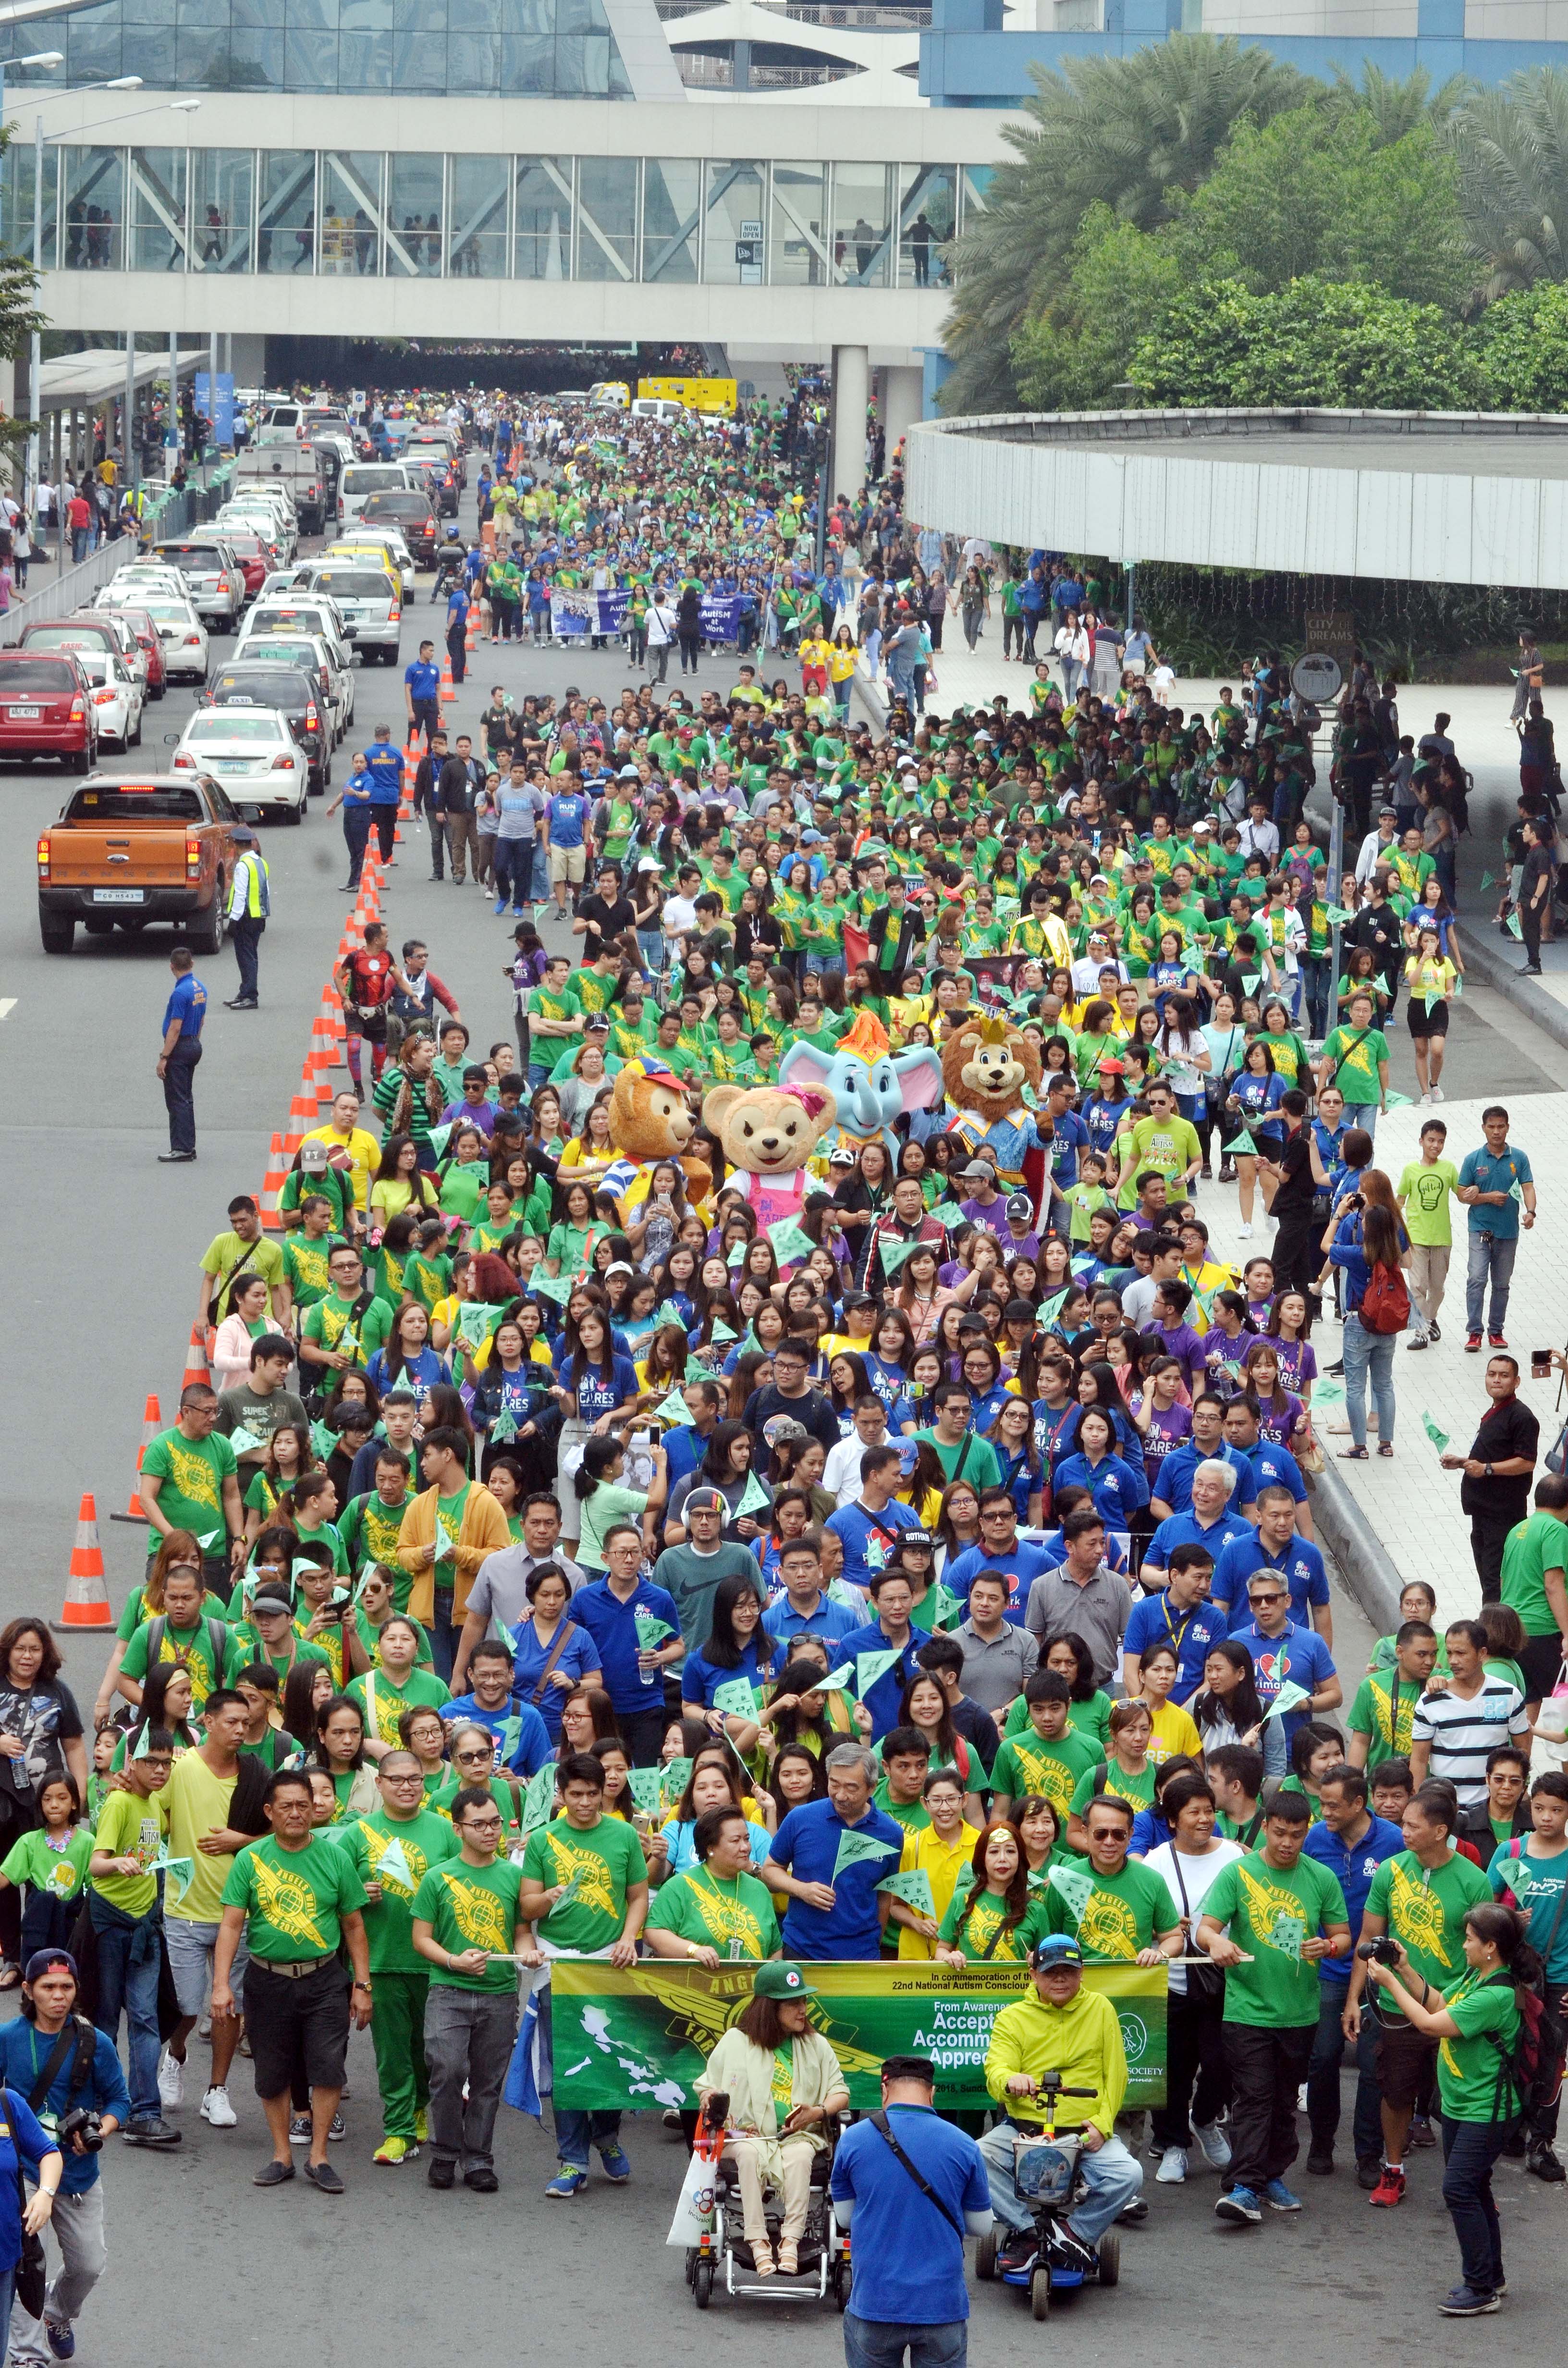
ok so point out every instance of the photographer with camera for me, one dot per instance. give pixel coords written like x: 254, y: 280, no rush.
x: 69, y: 2074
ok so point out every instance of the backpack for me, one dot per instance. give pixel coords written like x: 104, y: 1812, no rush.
x: 1385, y: 1302
x: 1533, y: 2066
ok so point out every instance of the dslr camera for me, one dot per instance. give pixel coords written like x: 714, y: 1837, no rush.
x: 81, y: 2123
x: 1381, y: 1952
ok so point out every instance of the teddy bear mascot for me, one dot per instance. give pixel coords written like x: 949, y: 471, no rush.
x: 649, y: 1120
x: 768, y: 1133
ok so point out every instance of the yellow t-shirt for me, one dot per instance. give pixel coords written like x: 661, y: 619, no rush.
x: 943, y: 1862
x: 190, y: 1805
x: 364, y: 1153
x: 1173, y: 1732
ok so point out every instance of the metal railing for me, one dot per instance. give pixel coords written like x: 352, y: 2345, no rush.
x: 59, y: 586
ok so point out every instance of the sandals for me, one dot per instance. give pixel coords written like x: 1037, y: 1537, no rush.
x: 10, y: 1975
x: 1353, y: 1455
x: 1385, y: 1447
x: 761, y: 2256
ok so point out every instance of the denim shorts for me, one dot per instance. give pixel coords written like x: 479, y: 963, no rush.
x: 190, y: 1946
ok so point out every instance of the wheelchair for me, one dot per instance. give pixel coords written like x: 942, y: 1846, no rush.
x: 1045, y: 2171
x: 721, y: 2257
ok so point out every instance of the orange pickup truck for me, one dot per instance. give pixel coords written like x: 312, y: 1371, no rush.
x: 153, y: 846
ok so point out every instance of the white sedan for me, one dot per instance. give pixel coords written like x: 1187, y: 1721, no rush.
x: 253, y: 753
x: 182, y: 633
x: 125, y: 589
x: 117, y: 696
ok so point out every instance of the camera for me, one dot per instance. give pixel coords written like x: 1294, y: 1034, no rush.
x: 81, y: 2123
x: 1381, y: 1952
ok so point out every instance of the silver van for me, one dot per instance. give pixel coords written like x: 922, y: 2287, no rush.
x: 355, y: 485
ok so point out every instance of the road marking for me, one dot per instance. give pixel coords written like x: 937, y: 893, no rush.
x: 7, y: 1005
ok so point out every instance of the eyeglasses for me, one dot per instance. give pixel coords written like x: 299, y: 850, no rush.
x: 997, y: 1513
x: 480, y: 1824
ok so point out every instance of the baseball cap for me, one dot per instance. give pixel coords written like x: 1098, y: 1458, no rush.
x: 978, y: 1168
x: 777, y: 1979
x: 1020, y: 1205
x: 43, y: 1961
x: 842, y: 1157
x: 1056, y: 1949
x: 265, y: 1600
x: 313, y: 1157
x: 705, y: 1501
x: 1111, y: 1067
x: 243, y: 836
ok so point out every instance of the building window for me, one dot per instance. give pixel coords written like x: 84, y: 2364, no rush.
x: 95, y: 210
x: 607, y: 217
x: 734, y: 241
x: 672, y: 214
x: 286, y: 218
x: 542, y: 240
x: 222, y: 200
x: 413, y: 217
x: 862, y: 227
x: 477, y: 218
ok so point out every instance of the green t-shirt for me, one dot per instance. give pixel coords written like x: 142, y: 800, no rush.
x: 191, y: 1645
x: 1486, y: 2008
x: 192, y: 1472
x: 1028, y: 1763
x: 369, y: 1530
x: 328, y: 1326
x: 1425, y: 1909
x: 227, y: 1255
x: 1270, y: 1910
x: 610, y: 1859
x: 1118, y: 1915
x: 473, y: 1908
x: 128, y: 1826
x: 421, y: 1843
x: 735, y: 1916
x: 1533, y: 1547
x: 1428, y: 1212
x: 983, y: 1933
x: 305, y: 1261
x: 913, y: 1815
x: 1372, y: 1714
x: 1139, y: 1790
x: 1169, y: 1145
x: 1353, y: 1061
x: 980, y: 1468
x: 294, y: 1899
x: 60, y: 1873
x: 213, y: 1607
x: 384, y: 1703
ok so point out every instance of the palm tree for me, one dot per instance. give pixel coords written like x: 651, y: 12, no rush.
x: 1512, y: 146
x: 1129, y: 132
x: 1398, y: 108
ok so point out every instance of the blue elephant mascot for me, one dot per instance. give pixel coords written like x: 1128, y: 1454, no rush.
x: 870, y: 1082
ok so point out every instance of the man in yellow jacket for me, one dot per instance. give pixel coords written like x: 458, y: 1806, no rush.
x: 447, y: 1532
x: 1068, y: 2030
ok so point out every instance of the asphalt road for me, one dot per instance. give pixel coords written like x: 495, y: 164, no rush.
x: 102, y: 1288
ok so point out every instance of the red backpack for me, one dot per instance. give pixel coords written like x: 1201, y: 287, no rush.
x: 1385, y: 1302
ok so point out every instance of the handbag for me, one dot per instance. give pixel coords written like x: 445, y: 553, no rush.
x: 1204, y: 1982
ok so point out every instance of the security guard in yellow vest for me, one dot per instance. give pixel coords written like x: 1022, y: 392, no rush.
x: 250, y: 902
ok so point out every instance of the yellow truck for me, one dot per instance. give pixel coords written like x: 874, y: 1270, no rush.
x: 715, y: 395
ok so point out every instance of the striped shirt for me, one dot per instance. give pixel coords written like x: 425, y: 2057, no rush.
x: 1461, y: 1733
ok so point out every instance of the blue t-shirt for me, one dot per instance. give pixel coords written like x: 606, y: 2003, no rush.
x: 1020, y: 1566
x: 832, y: 1620
x: 24, y: 2052
x: 868, y: 1538
x: 602, y: 1387
x: 384, y: 763
x: 1117, y: 1488
x: 423, y: 677
x: 533, y: 1746
x: 19, y: 2128
x: 612, y: 1624
x: 1300, y: 1654
x: 1154, y: 1621
x: 1187, y: 1530
x: 1499, y: 1175
x: 1176, y: 1471
x: 577, y: 1656
x: 1070, y: 1137
x: 700, y: 1678
x: 1301, y: 1562
x: 1354, y: 1870
x: 1101, y: 1119
x: 1272, y: 1466
x: 886, y: 1696
x: 568, y: 812
x: 187, y: 1004
x: 807, y: 1844
x: 1260, y: 1099
x: 907, y: 2261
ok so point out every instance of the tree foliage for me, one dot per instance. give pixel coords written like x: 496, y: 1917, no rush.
x: 1511, y: 145
x: 1521, y: 347
x: 1313, y: 342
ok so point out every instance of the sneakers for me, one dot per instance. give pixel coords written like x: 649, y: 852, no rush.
x: 1390, y: 2189
x: 1422, y: 2134
x: 154, y: 2131
x: 421, y: 2126
x: 1472, y: 1347
x: 1464, y: 2302
x: 1019, y: 2251
x: 1434, y: 1333
x: 1133, y: 2215
x: 1368, y: 2172
x: 442, y: 2174
x: 482, y: 2179
x: 216, y: 2108
x: 61, y: 2337
x: 1320, y: 2166
x: 1173, y: 2167
x: 1436, y: 1095
x: 1418, y: 1341
x: 1213, y: 2145
x: 298, y: 2129
x: 1280, y: 2198
x: 1243, y: 1233
x: 567, y: 2183
x: 1238, y: 2207
x: 171, y: 2082
x: 1495, y: 1340
x: 615, y: 2164
x: 1542, y: 2163
x: 1069, y: 2251
x: 392, y: 2151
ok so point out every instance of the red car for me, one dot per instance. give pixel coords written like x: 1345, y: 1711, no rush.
x: 46, y: 709
x: 256, y: 558
x: 150, y: 640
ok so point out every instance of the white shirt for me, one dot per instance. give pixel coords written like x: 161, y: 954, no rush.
x: 841, y: 1473
x: 680, y: 915
x: 1197, y: 1876
x: 1375, y: 852
x: 1260, y: 838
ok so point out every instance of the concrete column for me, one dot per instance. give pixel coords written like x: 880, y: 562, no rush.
x: 851, y: 386
x: 248, y: 359
x: 902, y: 403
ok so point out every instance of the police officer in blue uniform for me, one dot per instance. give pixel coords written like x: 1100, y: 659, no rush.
x: 422, y: 694
x: 183, y: 1017
x: 384, y: 763
x: 250, y: 902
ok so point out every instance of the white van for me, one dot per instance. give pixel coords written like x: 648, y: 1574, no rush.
x: 658, y: 406
x: 355, y: 485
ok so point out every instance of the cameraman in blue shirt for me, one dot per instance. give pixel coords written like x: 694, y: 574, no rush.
x: 909, y: 2188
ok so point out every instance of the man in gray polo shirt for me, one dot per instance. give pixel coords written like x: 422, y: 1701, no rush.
x: 998, y: 1657
x: 500, y: 1587
x: 1083, y: 1596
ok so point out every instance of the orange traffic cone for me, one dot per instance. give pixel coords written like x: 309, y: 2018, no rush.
x: 196, y: 1368
x: 449, y: 688
x: 302, y: 1118
x: 86, y: 1592
x: 272, y: 1186
x: 152, y: 1424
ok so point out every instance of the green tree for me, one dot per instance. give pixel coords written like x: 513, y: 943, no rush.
x: 1512, y: 148
x: 1397, y: 108
x: 1073, y: 355
x: 1127, y: 133
x: 1316, y: 342
x: 1521, y: 347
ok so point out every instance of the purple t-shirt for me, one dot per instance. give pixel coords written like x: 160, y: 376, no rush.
x: 1277, y: 1427
x: 1298, y: 1362
x: 1180, y: 1341
x: 1223, y: 1359
x: 1171, y: 1428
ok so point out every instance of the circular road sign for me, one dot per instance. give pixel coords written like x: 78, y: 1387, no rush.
x: 1316, y: 677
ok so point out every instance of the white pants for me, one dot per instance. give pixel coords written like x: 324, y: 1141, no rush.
x: 797, y: 2183
x: 77, y: 2223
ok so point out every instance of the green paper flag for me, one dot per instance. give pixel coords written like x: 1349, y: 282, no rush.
x: 476, y: 1321
x: 323, y: 1439
x: 1516, y: 1191
x: 949, y: 1214
x: 1431, y: 1001
x: 177, y: 1874
x: 722, y: 1334
x: 244, y: 1441
x: 947, y: 1604
x: 1488, y: 880
x: 964, y: 1882
x: 556, y: 1287
x: 791, y: 1244
x: 209, y: 1544
x: 1457, y: 990
x: 736, y: 1700
x: 870, y: 1667
x: 439, y: 1138
x: 1514, y: 926
x: 1396, y: 1101
x: 894, y: 1252
x: 837, y: 1682
x: 1337, y: 916
x: 855, y: 1849
x: 675, y: 1775
x: 651, y: 1631
x: 1050, y: 1309
x: 538, y: 1798
x: 1251, y: 981
x: 913, y: 1885
x: 1328, y: 1390
x: 503, y: 1430
x: 393, y: 1867
x: 446, y: 1544
x: 1242, y: 1144
x: 675, y: 1410
x: 756, y: 1496
x: 644, y: 1784
x: 840, y: 1592
x: 569, y: 1891
x: 1287, y: 1934
x: 1074, y: 1888
x: 1435, y: 1432
x: 1290, y: 1697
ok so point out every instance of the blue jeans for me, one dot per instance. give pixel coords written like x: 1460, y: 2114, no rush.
x: 1367, y: 1356
x: 1322, y: 2077
x: 1111, y: 2179
x: 443, y: 1632
x: 130, y: 1950
x: 1363, y: 1114
x: 1491, y: 1256
x: 883, y: 2342
x: 1470, y: 2149
x: 1316, y: 970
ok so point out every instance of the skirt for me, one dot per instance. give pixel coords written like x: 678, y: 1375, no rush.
x: 1423, y: 1023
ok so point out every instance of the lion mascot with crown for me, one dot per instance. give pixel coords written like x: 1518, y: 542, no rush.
x: 986, y: 1066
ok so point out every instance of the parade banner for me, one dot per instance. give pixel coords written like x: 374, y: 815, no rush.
x: 638, y: 2038
x: 575, y: 613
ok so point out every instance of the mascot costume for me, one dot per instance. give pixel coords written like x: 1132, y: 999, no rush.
x: 649, y: 1120
x: 768, y: 1133
x: 871, y: 1084
x: 986, y: 1065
